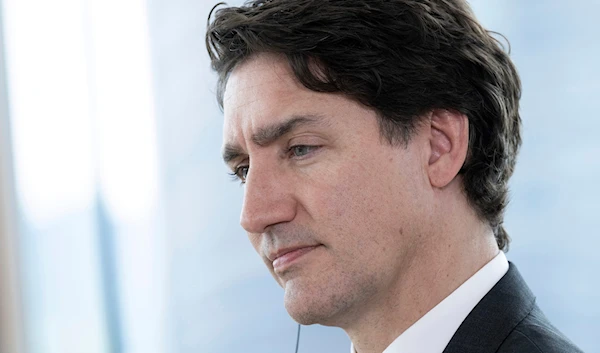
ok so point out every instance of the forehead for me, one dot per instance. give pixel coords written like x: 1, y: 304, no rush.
x: 263, y: 94
x: 259, y: 74
x: 263, y: 91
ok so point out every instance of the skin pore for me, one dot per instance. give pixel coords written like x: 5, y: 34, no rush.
x: 388, y: 229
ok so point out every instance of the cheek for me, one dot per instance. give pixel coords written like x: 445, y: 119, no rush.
x: 365, y: 207
x: 347, y: 200
x: 360, y: 190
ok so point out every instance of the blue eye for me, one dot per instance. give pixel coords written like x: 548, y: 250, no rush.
x: 240, y: 173
x: 301, y: 150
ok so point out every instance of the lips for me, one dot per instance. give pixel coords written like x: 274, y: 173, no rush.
x: 286, y: 257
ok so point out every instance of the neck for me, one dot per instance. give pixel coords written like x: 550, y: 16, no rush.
x: 441, y: 264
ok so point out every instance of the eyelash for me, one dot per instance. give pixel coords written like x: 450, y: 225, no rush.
x: 235, y: 175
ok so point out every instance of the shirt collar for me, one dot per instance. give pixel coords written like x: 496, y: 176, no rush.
x: 445, y: 318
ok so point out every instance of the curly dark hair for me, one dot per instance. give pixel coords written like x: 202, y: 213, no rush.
x: 402, y: 58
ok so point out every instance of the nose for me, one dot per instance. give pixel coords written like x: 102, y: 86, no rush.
x: 268, y: 200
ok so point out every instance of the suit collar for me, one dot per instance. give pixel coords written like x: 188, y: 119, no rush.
x: 494, y: 317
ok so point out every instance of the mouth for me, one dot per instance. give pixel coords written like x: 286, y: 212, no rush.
x: 287, y: 257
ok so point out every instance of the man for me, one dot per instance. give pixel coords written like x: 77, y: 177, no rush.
x: 375, y: 140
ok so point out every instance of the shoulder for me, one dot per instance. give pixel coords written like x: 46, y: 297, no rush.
x: 535, y: 334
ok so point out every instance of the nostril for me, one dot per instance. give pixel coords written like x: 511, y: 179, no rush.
x: 258, y: 213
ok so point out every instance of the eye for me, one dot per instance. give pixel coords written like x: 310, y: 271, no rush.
x: 240, y: 173
x: 302, y: 150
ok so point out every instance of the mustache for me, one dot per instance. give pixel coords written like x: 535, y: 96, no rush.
x: 283, y: 236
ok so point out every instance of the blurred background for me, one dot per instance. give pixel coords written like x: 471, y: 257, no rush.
x: 119, y: 226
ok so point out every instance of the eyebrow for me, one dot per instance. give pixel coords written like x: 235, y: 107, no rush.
x: 269, y: 134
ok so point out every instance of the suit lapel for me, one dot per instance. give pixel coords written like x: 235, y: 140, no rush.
x: 496, y: 315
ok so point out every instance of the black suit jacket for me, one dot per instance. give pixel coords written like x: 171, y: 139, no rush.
x: 507, y: 320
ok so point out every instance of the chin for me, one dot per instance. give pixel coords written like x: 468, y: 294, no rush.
x: 304, y: 314
x: 308, y: 306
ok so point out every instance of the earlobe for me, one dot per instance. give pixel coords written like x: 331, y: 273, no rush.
x: 449, y: 140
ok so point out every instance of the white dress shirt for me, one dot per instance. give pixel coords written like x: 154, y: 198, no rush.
x: 432, y: 332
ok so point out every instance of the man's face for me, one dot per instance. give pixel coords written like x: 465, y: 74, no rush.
x: 322, y: 182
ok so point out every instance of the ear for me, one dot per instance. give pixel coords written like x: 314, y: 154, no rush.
x: 449, y: 141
